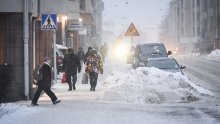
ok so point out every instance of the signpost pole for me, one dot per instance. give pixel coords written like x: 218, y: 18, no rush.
x: 49, y: 22
x: 131, y: 41
x: 54, y: 56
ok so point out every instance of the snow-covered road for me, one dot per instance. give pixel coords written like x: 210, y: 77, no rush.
x: 203, y: 71
x: 85, y: 107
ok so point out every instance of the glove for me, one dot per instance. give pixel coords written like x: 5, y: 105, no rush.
x: 79, y: 71
x: 101, y: 72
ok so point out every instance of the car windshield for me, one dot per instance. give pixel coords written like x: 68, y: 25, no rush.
x: 153, y: 50
x: 163, y: 64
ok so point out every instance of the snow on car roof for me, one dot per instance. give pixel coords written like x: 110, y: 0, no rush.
x: 60, y: 47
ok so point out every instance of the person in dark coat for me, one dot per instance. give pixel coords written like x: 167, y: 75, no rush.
x: 94, y: 66
x: 81, y: 55
x: 71, y: 64
x: 44, y: 84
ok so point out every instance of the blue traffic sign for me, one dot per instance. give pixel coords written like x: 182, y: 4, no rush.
x: 48, y: 21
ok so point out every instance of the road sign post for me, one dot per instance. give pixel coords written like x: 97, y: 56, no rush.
x: 49, y: 22
x: 132, y: 31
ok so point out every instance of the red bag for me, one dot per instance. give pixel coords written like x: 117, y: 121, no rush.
x: 64, y: 78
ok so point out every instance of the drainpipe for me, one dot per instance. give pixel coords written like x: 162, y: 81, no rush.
x: 34, y: 33
x: 218, y: 25
x: 34, y: 43
x: 26, y: 44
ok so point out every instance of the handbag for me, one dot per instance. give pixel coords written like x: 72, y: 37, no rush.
x: 64, y: 78
x: 85, y: 78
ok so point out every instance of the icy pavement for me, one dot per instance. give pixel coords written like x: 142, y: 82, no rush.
x: 85, y: 107
x: 84, y: 112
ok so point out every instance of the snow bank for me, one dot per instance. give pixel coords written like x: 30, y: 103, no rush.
x: 150, y: 85
x: 215, y: 53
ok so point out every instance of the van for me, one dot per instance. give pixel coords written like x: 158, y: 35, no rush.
x: 148, y: 50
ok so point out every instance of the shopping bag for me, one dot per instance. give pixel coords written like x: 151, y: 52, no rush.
x: 64, y: 78
x: 85, y: 78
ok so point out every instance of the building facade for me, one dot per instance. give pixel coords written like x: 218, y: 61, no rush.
x: 13, y: 37
x: 91, y: 14
x: 193, y: 25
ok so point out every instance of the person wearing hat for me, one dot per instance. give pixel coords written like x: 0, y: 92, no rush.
x: 94, y: 66
x: 44, y: 83
x: 71, y: 64
x: 88, y: 53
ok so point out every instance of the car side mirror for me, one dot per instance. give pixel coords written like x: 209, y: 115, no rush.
x: 169, y: 52
x: 182, y: 67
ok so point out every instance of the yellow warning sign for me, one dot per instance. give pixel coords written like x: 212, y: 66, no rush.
x: 132, y: 31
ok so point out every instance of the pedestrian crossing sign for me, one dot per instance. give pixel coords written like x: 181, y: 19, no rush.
x: 49, y: 22
x: 132, y: 31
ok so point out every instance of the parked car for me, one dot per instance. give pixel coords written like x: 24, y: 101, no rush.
x: 59, y: 60
x: 61, y: 48
x: 166, y: 64
x: 148, y: 50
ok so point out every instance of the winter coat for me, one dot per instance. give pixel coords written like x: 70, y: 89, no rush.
x: 71, y: 64
x: 86, y: 56
x: 81, y: 55
x: 94, y: 64
x: 46, y: 75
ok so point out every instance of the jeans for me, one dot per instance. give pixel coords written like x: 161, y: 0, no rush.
x: 93, y: 76
x: 74, y: 80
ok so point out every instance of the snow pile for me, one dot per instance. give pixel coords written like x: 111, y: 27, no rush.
x: 151, y: 85
x: 215, y: 53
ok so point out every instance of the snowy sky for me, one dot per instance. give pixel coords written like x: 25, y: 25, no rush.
x: 145, y: 14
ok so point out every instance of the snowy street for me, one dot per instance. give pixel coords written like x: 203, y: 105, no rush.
x: 109, y: 61
x: 203, y: 71
x: 117, y: 101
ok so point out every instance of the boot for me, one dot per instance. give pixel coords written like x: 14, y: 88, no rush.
x: 74, y: 87
x: 70, y: 88
x: 93, y: 89
x: 56, y: 102
x: 34, y: 104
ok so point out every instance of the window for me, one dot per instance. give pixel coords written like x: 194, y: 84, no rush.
x: 82, y: 5
x: 198, y: 2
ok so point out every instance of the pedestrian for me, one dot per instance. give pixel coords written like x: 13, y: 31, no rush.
x: 94, y: 66
x: 104, y: 51
x: 44, y: 83
x: 89, y: 52
x: 81, y: 55
x: 71, y: 65
x: 106, y: 48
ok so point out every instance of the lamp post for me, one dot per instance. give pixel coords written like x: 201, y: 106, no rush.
x: 63, y: 25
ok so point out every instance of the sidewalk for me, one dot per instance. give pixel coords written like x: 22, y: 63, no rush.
x: 81, y: 94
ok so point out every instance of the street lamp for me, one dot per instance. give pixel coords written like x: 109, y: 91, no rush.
x: 64, y: 18
x: 80, y: 19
